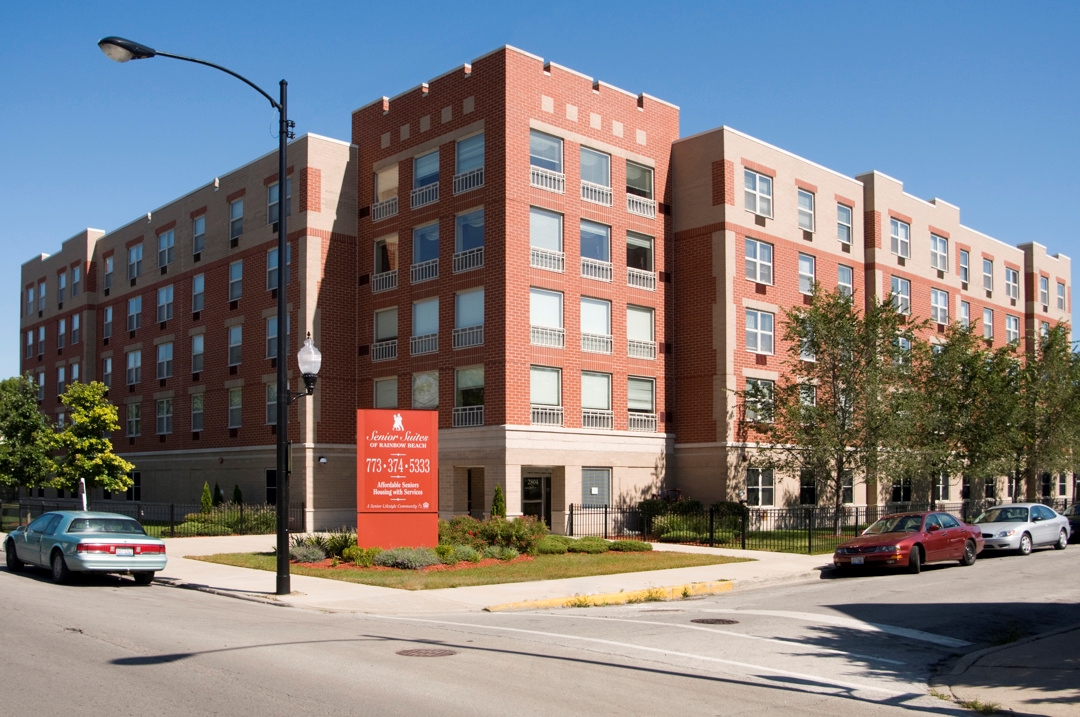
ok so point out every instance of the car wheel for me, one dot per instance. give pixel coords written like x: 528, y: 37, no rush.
x: 60, y: 572
x: 143, y: 578
x: 969, y: 553
x: 1063, y: 540
x: 1025, y: 544
x: 914, y: 564
x: 13, y: 563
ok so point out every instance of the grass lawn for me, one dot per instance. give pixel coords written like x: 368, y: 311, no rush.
x: 542, y: 567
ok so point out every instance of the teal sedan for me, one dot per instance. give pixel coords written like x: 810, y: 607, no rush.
x: 70, y: 541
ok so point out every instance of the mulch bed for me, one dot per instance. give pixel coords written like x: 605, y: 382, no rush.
x: 345, y: 565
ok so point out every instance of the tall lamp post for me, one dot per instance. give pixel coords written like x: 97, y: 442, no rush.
x: 121, y: 50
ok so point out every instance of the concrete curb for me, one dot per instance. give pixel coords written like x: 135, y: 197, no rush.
x: 222, y: 593
x: 964, y: 663
x: 657, y: 594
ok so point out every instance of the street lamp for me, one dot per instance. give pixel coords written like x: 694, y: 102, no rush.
x: 121, y: 50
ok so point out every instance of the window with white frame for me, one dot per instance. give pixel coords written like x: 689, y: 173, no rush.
x: 166, y: 247
x: 425, y: 317
x: 236, y: 340
x: 386, y: 254
x: 198, y: 234
x: 386, y: 392
x: 236, y: 279
x: 546, y: 317
x: 596, y: 394
x: 30, y: 300
x: 198, y: 292
x: 198, y: 348
x: 469, y: 231
x: 426, y: 243
x: 165, y: 360
x: 196, y: 412
x: 1044, y: 329
x: 900, y: 238
x: 41, y: 340
x: 759, y: 486
x: 639, y: 251
x: 901, y: 295
x: 74, y: 372
x: 133, y: 419
x: 236, y: 406
x: 595, y: 325
x: 807, y: 273
x: 595, y: 241
x: 843, y: 223
x: 106, y: 372
x: 545, y: 386
x: 845, y: 279
x: 164, y: 416
x: 386, y: 183
x: 1012, y: 283
x: 545, y: 151
x: 164, y: 303
x: 595, y: 167
x: 426, y: 169
x: 806, y: 210
x: 386, y: 324
x: 807, y: 395
x: 640, y: 332
x: 757, y: 193
x: 76, y: 328
x: 939, y: 306
x: 273, y: 201
x: 988, y: 323
x: 107, y: 321
x: 596, y: 487
x: 988, y: 274
x: 639, y: 180
x: 236, y: 219
x: 41, y: 386
x: 134, y: 261
x: 468, y: 316
x: 759, y: 261
x: 272, y: 267
x: 29, y: 344
x: 965, y: 314
x: 965, y: 265
x: 425, y: 390
x: 545, y: 239
x: 61, y: 380
x: 271, y: 337
x: 76, y: 281
x: 1044, y: 291
x: 469, y: 386
x: 759, y: 400
x: 271, y: 403
x: 61, y: 333
x: 939, y: 253
x: 134, y: 315
x: 759, y: 331
x: 1061, y: 296
x: 61, y: 287
x: 1012, y: 328
x: 134, y: 367
x: 470, y: 156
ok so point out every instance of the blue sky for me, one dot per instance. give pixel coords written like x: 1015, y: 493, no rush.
x: 974, y: 102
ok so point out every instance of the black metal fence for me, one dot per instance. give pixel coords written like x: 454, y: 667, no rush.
x: 802, y: 529
x: 167, y: 520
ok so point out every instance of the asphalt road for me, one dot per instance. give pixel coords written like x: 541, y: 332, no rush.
x: 850, y: 646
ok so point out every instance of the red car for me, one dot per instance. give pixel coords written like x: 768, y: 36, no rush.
x: 910, y: 540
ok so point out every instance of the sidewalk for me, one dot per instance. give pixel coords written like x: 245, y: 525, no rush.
x: 1036, y: 676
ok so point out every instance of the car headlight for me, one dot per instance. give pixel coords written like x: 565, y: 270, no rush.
x: 888, y: 548
x: 1007, y: 533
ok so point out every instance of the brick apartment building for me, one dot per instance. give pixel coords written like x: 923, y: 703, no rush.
x: 534, y: 254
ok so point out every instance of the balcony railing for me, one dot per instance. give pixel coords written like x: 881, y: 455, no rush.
x: 384, y: 210
x: 424, y: 271
x: 641, y: 206
x: 547, y: 415
x: 466, y: 181
x: 547, y: 259
x: 602, y: 420
x: 641, y: 279
x: 547, y: 336
x: 426, y: 344
x: 469, y: 336
x: 422, y: 196
x: 595, y: 344
x: 384, y: 350
x: 384, y: 281
x: 469, y: 260
x: 596, y: 193
x: 641, y: 349
x: 643, y: 422
x: 468, y: 416
x: 595, y: 269
x: 546, y: 179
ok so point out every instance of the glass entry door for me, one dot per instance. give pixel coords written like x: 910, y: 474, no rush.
x: 536, y: 493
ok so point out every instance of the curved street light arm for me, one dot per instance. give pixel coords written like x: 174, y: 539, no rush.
x: 274, y: 103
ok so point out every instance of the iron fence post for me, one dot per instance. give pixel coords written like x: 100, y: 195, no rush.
x: 241, y: 524
x: 809, y: 531
x: 712, y: 525
x: 172, y: 520
x: 745, y: 520
x: 570, y: 522
x: 605, y: 522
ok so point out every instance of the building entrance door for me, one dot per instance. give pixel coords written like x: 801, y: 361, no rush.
x: 536, y: 493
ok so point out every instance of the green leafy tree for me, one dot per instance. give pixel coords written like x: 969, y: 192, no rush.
x: 498, y: 503
x: 25, y: 436
x: 206, y: 501
x: 84, y: 449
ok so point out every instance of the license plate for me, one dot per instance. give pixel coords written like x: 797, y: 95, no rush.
x: 857, y: 560
x: 125, y: 552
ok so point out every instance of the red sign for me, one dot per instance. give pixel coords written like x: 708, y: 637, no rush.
x: 397, y: 477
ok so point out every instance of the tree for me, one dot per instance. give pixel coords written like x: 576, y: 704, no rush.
x: 831, y: 416
x: 206, y: 501
x: 498, y: 503
x: 25, y: 436
x: 237, y: 496
x: 219, y: 497
x: 85, y: 451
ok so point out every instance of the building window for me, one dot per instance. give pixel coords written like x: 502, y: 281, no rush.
x: 386, y: 392
x: 806, y: 273
x: 164, y: 360
x: 41, y: 386
x: 758, y: 193
x: 988, y: 323
x: 61, y: 288
x: 641, y: 396
x: 469, y: 318
x: 595, y: 176
x: 847, y: 487
x: 759, y: 261
x: 843, y: 223
x: 134, y: 317
x: 965, y: 314
x: 165, y: 303
x: 196, y: 412
x: 386, y: 184
x: 807, y: 487
x: 271, y: 337
x: 61, y: 333
x: 1044, y: 292
x: 76, y: 280
x: 845, y: 280
x: 469, y: 241
x: 106, y: 329
x: 939, y: 306
x: 75, y: 329
x: 640, y: 335
x: 1012, y: 283
x: 639, y: 183
x: 759, y: 400
x: 386, y: 255
x: 198, y: 234
x: 271, y: 404
x: 595, y: 251
x: 236, y: 340
x: 29, y: 344
x: 469, y: 169
x: 41, y: 295
x: 1012, y: 328
x: 545, y: 389
x: 965, y: 266
x: 759, y: 332
x: 386, y: 325
x: 545, y: 151
x: 41, y: 340
x: 236, y: 406
x: 596, y: 400
x: 198, y: 292
x: 236, y: 280
x: 425, y: 327
x: 1061, y: 296
x: 426, y: 169
x: 468, y: 387
x: 30, y: 301
x: 939, y: 253
x: 107, y: 281
x: 901, y: 295
x: 197, y: 348
x: 164, y: 416
x: 595, y: 487
x: 806, y: 210
x: 900, y: 238
x: 272, y: 267
x: 273, y: 201
x: 75, y: 373
x: 236, y: 219
x: 106, y: 372
x: 425, y: 264
x: 134, y: 261
x: 545, y: 240
x: 134, y: 367
x: 595, y: 325
x: 61, y: 380
x: 166, y: 247
x: 134, y: 419
x: 425, y: 390
x: 1044, y: 329
x: 546, y: 318
x: 759, y: 486
x: 988, y: 274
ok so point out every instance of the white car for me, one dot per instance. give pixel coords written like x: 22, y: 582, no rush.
x: 1023, y: 526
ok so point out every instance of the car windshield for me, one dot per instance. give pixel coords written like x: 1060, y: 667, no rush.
x: 1004, y: 515
x: 896, y: 524
x: 105, y: 525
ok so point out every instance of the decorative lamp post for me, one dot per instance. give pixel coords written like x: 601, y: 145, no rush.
x: 121, y: 50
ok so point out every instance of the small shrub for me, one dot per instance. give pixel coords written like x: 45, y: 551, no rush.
x: 681, y: 536
x: 652, y: 508
x: 630, y: 546
x: 686, y: 507
x: 680, y: 523
x: 559, y: 539
x: 407, y: 558
x: 498, y: 503
x: 592, y: 546
x: 461, y: 530
x: 500, y: 552
x: 307, y: 554
x: 206, y: 501
x: 446, y: 554
x: 237, y: 496
x: 335, y: 561
x: 521, y: 534
x: 466, y: 554
x: 729, y: 515
x: 336, y: 541
x: 363, y: 557
x: 549, y: 546
x: 219, y: 497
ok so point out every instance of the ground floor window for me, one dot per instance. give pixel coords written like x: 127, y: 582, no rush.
x: 759, y: 486
x: 807, y: 487
x: 595, y: 486
x: 135, y: 491
x: 901, y: 490
x: 271, y: 487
